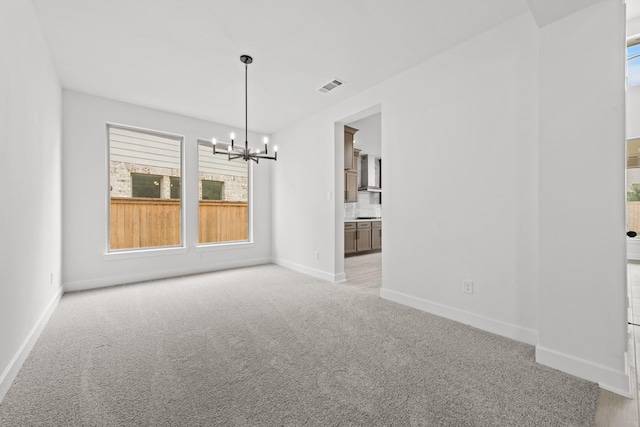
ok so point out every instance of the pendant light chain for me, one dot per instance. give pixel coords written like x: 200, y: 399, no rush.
x: 246, y: 109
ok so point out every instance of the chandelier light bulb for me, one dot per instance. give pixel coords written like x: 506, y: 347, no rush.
x: 233, y: 135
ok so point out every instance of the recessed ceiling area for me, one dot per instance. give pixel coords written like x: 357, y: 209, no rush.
x: 183, y: 56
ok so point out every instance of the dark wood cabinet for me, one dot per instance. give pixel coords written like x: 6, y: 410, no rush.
x: 350, y: 232
x: 376, y: 235
x: 351, y: 156
x: 349, y: 132
x: 350, y: 186
x: 356, y: 159
x: 364, y: 236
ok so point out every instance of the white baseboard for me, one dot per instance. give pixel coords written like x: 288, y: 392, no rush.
x: 329, y: 277
x: 497, y: 327
x: 18, y: 359
x: 102, y: 282
x: 609, y: 379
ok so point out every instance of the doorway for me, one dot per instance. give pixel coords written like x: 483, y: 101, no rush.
x: 362, y: 214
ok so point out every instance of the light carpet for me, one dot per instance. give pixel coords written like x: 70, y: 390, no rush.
x: 264, y: 346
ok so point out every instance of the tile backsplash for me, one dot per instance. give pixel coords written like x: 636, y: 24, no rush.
x: 368, y: 205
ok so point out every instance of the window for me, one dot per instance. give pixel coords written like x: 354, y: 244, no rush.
x: 633, y: 63
x: 144, y: 181
x: 211, y: 190
x: 175, y: 187
x: 224, y: 197
x: 145, y: 186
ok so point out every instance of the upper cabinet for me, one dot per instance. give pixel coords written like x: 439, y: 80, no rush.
x: 349, y: 160
x: 351, y: 155
x: 351, y: 179
x: 350, y: 186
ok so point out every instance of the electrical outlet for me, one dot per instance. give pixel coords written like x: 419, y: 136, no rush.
x: 467, y: 286
x: 317, y: 255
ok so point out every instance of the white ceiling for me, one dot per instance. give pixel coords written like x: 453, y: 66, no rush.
x: 182, y: 56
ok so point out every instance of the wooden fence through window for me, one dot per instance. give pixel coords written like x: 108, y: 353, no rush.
x: 144, y: 223
x: 222, y: 221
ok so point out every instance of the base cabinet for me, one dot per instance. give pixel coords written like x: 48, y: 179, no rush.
x: 362, y: 236
x: 350, y: 237
x: 376, y: 235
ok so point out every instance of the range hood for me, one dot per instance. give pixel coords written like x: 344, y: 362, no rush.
x: 370, y: 174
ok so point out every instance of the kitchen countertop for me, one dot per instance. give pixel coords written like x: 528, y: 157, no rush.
x: 361, y: 219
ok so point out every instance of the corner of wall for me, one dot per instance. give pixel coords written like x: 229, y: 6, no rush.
x: 323, y: 275
x: 609, y: 379
x: 11, y: 371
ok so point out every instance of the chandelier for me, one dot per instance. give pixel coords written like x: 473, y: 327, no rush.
x: 233, y: 151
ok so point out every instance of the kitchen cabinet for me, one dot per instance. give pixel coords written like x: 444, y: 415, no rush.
x: 363, y: 242
x: 349, y: 132
x: 362, y: 236
x: 351, y: 160
x: 376, y: 235
x: 350, y: 186
x: 350, y: 232
x: 356, y: 159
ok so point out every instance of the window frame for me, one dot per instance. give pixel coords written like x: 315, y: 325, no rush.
x: 146, y: 251
x: 216, y: 246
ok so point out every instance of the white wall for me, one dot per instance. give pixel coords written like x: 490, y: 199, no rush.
x: 582, y: 216
x: 85, y: 264
x: 304, y: 199
x: 463, y: 128
x: 30, y: 213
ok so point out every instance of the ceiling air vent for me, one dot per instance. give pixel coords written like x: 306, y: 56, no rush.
x: 330, y: 86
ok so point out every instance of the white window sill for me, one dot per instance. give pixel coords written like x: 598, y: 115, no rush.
x: 212, y: 247
x: 142, y: 253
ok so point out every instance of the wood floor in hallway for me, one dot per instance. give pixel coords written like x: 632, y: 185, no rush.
x: 364, y: 272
